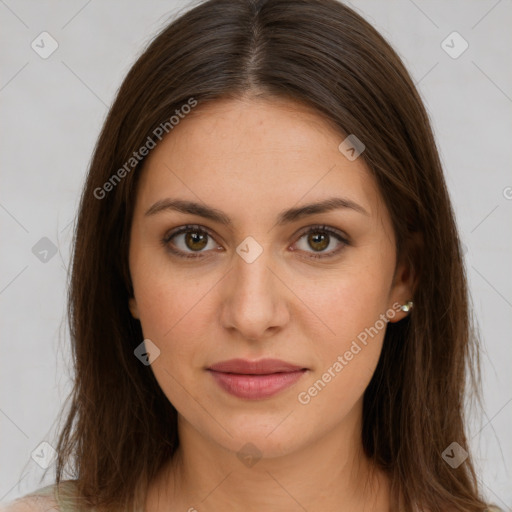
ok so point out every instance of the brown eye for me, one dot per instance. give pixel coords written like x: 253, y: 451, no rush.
x: 188, y: 240
x: 192, y: 242
x: 319, y: 238
x: 195, y: 240
x: 318, y: 241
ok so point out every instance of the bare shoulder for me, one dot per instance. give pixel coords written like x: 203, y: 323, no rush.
x: 31, y: 504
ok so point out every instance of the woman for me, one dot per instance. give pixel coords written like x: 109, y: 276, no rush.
x: 268, y: 304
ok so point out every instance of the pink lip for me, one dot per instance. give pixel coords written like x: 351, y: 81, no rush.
x: 255, y: 379
x: 261, y: 367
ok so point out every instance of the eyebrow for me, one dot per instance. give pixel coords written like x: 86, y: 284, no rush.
x: 285, y: 217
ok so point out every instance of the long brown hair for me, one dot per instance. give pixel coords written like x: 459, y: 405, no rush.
x: 121, y: 428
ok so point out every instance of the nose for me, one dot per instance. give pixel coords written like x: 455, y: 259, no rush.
x: 254, y: 299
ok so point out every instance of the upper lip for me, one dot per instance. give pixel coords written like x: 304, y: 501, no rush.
x: 260, y: 367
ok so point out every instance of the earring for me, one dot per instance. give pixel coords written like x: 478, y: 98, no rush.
x: 407, y: 306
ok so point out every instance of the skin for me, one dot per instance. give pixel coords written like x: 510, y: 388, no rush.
x: 253, y: 158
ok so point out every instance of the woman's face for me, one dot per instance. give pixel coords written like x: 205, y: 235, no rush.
x: 310, y: 289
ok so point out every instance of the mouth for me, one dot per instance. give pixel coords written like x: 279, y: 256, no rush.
x: 260, y: 367
x: 255, y: 379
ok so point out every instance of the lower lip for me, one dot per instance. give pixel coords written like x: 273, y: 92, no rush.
x: 256, y: 386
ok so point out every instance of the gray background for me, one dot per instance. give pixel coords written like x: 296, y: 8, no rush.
x: 52, y: 111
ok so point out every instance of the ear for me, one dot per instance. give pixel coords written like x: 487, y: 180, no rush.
x: 406, y: 276
x: 132, y: 304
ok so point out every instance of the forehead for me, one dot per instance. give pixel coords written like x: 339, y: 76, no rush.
x: 251, y: 151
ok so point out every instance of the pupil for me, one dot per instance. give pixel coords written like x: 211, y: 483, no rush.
x: 319, y: 237
x: 200, y: 238
x: 195, y: 237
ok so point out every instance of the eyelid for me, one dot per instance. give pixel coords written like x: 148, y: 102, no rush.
x: 183, y: 229
x: 331, y: 231
x: 326, y: 228
x: 188, y: 227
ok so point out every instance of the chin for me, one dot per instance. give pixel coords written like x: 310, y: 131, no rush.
x: 263, y: 438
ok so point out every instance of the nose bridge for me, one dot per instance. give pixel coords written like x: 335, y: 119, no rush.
x: 252, y: 268
x: 255, y: 301
x: 253, y: 279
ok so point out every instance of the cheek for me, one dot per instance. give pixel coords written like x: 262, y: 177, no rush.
x: 166, y: 307
x: 352, y: 309
x: 174, y: 314
x: 348, y: 302
x: 173, y: 309
x: 345, y: 363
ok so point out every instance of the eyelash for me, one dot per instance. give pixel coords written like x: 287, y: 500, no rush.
x: 199, y: 229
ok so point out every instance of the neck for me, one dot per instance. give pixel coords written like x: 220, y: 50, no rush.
x: 331, y: 473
